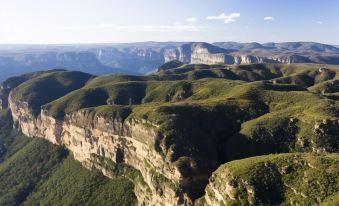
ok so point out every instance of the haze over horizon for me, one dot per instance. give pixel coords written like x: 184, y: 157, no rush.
x: 103, y: 21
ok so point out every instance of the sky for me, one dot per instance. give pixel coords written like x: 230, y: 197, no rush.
x: 114, y: 21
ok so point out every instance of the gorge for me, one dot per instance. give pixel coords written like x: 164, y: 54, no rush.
x: 180, y: 135
x: 144, y: 57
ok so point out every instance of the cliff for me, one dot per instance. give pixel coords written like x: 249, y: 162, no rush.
x: 35, y: 171
x: 281, y: 179
x: 144, y: 57
x: 204, y: 53
x: 95, y: 140
x: 168, y: 133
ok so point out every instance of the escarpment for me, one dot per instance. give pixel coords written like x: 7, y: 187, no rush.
x: 167, y: 175
x: 204, y: 53
x: 280, y: 179
x: 91, y: 138
x: 169, y: 132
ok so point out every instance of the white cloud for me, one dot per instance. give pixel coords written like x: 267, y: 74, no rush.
x: 176, y: 27
x: 221, y: 16
x: 191, y: 20
x: 227, y: 18
x: 268, y: 18
x: 319, y: 22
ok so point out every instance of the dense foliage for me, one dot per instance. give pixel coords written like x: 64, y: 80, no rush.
x: 71, y: 184
x: 36, y: 172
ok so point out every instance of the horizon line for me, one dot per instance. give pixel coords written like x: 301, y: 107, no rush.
x: 137, y: 42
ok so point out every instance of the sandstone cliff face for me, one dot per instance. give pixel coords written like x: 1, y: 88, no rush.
x: 128, y: 142
x: 182, y: 53
x: 202, y: 53
x: 248, y: 59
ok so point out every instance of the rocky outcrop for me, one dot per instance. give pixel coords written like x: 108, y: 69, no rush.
x: 281, y: 179
x: 288, y: 59
x: 128, y: 142
x: 203, y: 53
x: 328, y: 133
x: 181, y: 53
x: 144, y: 58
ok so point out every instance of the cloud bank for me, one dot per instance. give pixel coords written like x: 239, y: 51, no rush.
x: 267, y: 18
x: 227, y: 18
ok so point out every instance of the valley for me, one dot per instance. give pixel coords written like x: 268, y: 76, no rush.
x: 145, y: 57
x: 191, y: 134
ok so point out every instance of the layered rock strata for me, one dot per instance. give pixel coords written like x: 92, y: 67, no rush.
x: 128, y: 142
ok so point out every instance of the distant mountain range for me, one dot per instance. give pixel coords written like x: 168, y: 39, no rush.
x: 145, y: 57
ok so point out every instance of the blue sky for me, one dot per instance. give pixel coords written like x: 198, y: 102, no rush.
x: 103, y: 21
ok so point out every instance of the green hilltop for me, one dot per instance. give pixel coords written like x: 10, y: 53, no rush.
x: 207, y: 115
x: 289, y: 179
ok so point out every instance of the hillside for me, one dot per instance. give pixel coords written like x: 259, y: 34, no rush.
x: 33, y: 171
x: 169, y: 132
x: 289, y: 179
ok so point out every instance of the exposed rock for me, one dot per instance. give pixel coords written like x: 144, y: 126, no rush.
x: 161, y: 149
x: 86, y: 135
x: 328, y: 134
x: 204, y: 53
x: 273, y: 180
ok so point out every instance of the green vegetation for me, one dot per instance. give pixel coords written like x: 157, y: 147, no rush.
x: 125, y: 93
x: 47, y: 87
x: 283, y: 179
x: 21, y: 172
x: 206, y: 115
x: 10, y: 140
x: 221, y: 118
x: 302, y: 74
x: 171, y: 65
x: 71, y: 184
x: 35, y: 172
x: 13, y: 82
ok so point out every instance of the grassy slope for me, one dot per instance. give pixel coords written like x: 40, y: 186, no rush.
x: 283, y: 179
x: 33, y: 171
x: 49, y: 86
x: 296, y: 73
